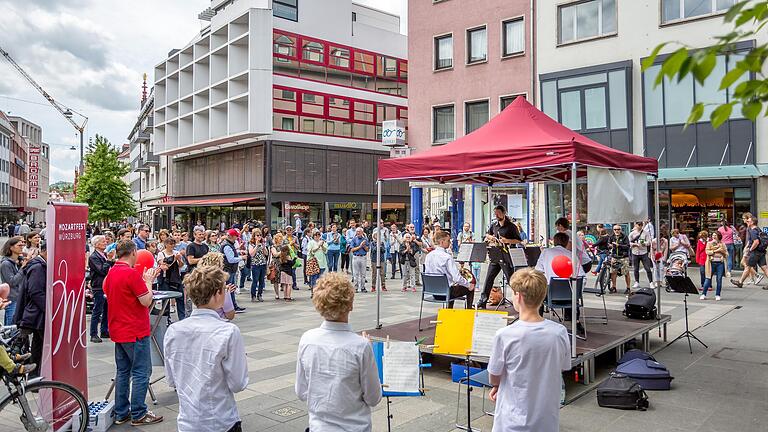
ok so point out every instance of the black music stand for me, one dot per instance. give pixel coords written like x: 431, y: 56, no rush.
x: 500, y: 255
x: 684, y: 285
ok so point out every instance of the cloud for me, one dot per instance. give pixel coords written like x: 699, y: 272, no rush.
x: 56, y: 4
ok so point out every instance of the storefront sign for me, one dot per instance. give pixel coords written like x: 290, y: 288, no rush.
x: 393, y: 133
x: 515, y: 206
x: 300, y: 207
x: 399, y: 152
x: 34, y: 171
x: 64, y: 348
x: 763, y: 215
x: 343, y: 206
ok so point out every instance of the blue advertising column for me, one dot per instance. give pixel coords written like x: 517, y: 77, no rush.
x: 417, y: 208
x: 457, y: 214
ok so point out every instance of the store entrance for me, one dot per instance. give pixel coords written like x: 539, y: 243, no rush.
x: 694, y: 210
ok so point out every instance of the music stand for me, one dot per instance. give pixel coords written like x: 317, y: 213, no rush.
x: 684, y: 285
x: 498, y: 255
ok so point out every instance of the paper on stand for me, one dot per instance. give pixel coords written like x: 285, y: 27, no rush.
x: 485, y: 328
x: 401, y: 367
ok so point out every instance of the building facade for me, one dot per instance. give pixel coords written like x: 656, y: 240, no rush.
x: 589, y: 57
x: 275, y: 109
x: 469, y: 59
x: 13, y: 172
x: 38, y: 167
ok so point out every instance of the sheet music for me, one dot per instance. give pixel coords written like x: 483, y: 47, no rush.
x: 465, y: 253
x: 401, y: 367
x: 485, y: 328
x: 518, y: 257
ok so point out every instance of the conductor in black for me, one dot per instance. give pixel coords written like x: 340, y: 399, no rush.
x: 506, y: 233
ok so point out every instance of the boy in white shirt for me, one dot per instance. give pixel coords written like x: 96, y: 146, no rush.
x: 527, y: 361
x: 336, y: 373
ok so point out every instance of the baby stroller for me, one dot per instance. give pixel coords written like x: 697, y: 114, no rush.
x: 677, y: 266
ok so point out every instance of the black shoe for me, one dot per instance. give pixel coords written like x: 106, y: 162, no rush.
x: 364, y: 290
x: 259, y: 298
x: 737, y: 283
x: 96, y: 339
x: 239, y: 309
x: 580, y: 330
x: 105, y: 336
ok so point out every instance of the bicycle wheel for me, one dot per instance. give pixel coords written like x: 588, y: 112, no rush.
x: 604, y: 279
x: 51, y: 404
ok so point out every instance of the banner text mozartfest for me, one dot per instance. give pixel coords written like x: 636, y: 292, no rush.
x: 70, y: 231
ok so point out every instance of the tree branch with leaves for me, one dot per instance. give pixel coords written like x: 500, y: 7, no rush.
x: 749, y: 94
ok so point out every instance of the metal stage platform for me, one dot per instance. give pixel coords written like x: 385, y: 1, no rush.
x: 601, y: 338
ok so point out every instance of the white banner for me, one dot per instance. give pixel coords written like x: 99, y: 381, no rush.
x: 616, y: 196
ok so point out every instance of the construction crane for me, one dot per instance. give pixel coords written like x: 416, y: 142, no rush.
x: 68, y: 113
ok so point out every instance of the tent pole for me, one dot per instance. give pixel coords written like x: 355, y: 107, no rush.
x: 574, y: 261
x: 658, y: 241
x: 378, y: 256
x: 490, y: 206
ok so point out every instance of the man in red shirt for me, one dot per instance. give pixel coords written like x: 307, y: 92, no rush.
x: 128, y: 298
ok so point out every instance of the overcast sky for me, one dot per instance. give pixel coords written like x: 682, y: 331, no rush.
x: 90, y: 55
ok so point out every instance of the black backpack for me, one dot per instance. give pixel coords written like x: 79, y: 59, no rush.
x: 641, y: 305
x: 621, y: 392
x: 762, y: 236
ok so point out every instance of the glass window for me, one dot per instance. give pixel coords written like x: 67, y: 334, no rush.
x: 710, y: 94
x: 288, y: 9
x: 443, y: 124
x: 308, y: 125
x: 284, y: 45
x: 733, y: 59
x: 653, y: 98
x: 506, y: 100
x: 338, y: 108
x: 586, y: 19
x: 617, y: 94
x: 313, y: 51
x: 443, y: 52
x: 339, y: 57
x: 678, y: 100
x: 364, y: 112
x: 476, y: 114
x: 477, y: 45
x: 287, y: 124
x: 684, y: 9
x: 403, y: 70
x: 570, y: 109
x: 386, y: 67
x: 513, y: 37
x: 594, y: 108
x: 364, y: 63
x: 584, y: 80
x: 549, y: 98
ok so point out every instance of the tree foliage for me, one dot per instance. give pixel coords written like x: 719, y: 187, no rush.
x: 102, y: 186
x: 750, y: 93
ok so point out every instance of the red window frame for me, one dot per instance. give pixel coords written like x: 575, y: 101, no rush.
x: 297, y: 48
x: 324, y: 62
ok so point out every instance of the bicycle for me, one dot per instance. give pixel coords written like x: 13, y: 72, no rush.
x: 39, y: 405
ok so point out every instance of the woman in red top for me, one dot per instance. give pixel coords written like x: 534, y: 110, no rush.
x: 701, y: 254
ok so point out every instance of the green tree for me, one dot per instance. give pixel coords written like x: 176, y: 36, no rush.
x: 102, y: 186
x: 748, y: 93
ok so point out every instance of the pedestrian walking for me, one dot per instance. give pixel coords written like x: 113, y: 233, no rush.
x: 286, y: 267
x: 728, y: 234
x: 717, y: 256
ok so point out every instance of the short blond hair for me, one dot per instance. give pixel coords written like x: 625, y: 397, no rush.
x: 212, y: 259
x: 333, y: 296
x: 532, y: 284
x: 203, y: 283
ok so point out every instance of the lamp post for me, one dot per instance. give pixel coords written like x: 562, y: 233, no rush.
x: 81, y: 129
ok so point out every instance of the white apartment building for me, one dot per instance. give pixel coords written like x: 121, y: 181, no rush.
x: 275, y: 109
x: 38, y: 167
x: 588, y: 63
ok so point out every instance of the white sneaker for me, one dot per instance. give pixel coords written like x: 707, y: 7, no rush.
x: 717, y: 298
x: 759, y: 279
x: 702, y: 297
x: 727, y: 274
x: 636, y: 285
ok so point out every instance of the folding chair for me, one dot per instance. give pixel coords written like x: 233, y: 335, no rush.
x: 559, y: 296
x: 436, y: 290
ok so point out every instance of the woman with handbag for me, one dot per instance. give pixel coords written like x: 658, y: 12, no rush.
x: 316, y: 258
x: 258, y: 254
x: 717, y: 256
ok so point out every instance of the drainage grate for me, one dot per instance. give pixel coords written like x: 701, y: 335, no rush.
x: 286, y: 411
x: 742, y: 355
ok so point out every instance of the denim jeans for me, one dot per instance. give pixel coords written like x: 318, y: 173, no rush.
x: 313, y: 278
x: 99, y: 314
x: 333, y: 260
x: 134, y: 366
x: 9, y: 311
x: 245, y: 272
x: 293, y: 276
x: 703, y: 274
x: 729, y: 248
x: 718, y: 270
x: 393, y: 261
x: 181, y: 308
x: 258, y: 277
x: 231, y: 280
x: 600, y: 259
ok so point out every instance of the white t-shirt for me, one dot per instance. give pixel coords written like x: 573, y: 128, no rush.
x: 544, y: 264
x: 530, y: 358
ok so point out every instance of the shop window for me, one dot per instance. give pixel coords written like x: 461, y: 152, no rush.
x: 443, y: 124
x: 287, y: 9
x: 513, y: 37
x: 477, y: 45
x: 680, y: 10
x: 443, y: 52
x: 586, y: 20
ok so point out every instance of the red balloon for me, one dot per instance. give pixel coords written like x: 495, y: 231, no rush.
x: 144, y: 260
x: 658, y: 256
x: 562, y: 266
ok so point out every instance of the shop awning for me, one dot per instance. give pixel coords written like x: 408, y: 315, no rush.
x: 713, y: 172
x: 206, y: 202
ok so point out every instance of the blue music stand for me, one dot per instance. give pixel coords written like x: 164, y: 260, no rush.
x: 378, y: 354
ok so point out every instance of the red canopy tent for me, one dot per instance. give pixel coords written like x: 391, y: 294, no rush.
x: 521, y: 144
